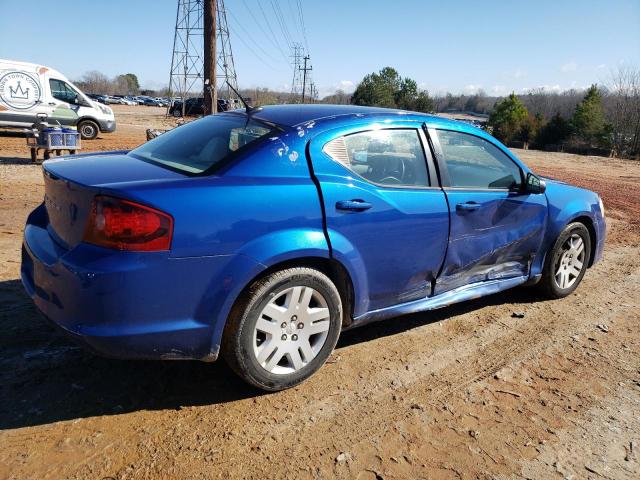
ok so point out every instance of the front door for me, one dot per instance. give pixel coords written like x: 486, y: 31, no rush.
x: 385, y: 215
x: 63, y: 102
x: 496, y: 229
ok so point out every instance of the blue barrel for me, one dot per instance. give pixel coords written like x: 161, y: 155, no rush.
x: 70, y: 137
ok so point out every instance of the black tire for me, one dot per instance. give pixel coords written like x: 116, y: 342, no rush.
x: 46, y: 155
x: 88, y: 129
x: 34, y: 155
x: 548, y: 283
x: 237, y: 343
x: 176, y: 113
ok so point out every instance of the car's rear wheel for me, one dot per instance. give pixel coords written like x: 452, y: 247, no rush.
x: 177, y: 112
x: 567, y: 261
x: 283, y: 328
x: 88, y: 129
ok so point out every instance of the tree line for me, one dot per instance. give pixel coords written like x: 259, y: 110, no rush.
x: 99, y: 83
x: 604, y: 119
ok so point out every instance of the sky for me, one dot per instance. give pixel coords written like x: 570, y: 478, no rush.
x: 457, y: 46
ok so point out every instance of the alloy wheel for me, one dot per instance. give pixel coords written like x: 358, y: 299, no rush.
x: 571, y: 262
x: 291, y: 330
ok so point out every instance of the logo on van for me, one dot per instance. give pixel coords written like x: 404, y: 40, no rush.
x: 19, y: 90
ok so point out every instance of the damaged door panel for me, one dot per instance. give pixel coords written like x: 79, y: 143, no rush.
x: 494, y: 235
x: 496, y: 229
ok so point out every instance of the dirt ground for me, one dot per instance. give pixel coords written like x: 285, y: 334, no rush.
x: 470, y: 391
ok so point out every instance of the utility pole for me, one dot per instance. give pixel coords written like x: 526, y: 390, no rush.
x: 304, y: 76
x: 191, y: 39
x: 210, y: 84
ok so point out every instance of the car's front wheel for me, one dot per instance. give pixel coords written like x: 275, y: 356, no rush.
x: 567, y: 261
x: 88, y: 129
x: 283, y: 328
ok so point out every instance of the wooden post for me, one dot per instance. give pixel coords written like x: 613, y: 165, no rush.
x: 210, y: 86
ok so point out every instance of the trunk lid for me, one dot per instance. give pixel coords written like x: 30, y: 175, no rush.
x: 71, y: 183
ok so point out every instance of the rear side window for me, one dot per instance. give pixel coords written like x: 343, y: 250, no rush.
x: 385, y: 157
x: 199, y: 145
x: 473, y: 162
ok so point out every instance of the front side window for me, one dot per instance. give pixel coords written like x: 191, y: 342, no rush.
x: 391, y: 157
x: 197, y: 146
x: 62, y: 91
x: 473, y: 162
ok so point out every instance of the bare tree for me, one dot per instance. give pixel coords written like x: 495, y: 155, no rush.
x: 95, y: 82
x: 623, y: 110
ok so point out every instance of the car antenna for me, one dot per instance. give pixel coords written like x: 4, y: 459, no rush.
x: 249, y: 109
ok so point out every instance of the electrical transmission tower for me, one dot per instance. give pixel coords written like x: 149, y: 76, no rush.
x: 297, y: 83
x: 187, y: 63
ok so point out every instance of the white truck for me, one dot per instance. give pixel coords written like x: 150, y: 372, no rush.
x: 28, y: 90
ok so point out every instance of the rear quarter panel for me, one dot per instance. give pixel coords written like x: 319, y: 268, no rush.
x: 261, y: 210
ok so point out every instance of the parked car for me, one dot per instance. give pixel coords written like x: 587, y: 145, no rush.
x: 195, y: 106
x: 261, y: 235
x: 117, y: 100
x: 149, y: 101
x: 125, y: 100
x: 28, y: 91
x: 161, y: 101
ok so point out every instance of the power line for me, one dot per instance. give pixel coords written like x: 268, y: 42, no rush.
x: 296, y: 20
x: 304, y: 28
x: 266, y: 19
x: 249, y: 37
x: 282, y: 22
x: 259, y: 24
x: 252, y: 51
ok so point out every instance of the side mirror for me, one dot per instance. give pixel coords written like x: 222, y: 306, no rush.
x: 78, y: 100
x: 534, y: 184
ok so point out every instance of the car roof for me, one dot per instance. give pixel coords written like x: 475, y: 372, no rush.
x: 293, y: 115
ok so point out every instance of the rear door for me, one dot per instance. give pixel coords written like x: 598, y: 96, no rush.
x: 385, y: 213
x: 496, y: 229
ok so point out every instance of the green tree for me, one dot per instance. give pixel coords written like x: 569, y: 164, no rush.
x: 508, y: 118
x: 588, y: 119
x: 388, y: 89
x: 131, y: 82
x: 530, y: 127
x: 555, y: 132
x: 424, y: 103
x: 378, y: 89
x: 407, y: 94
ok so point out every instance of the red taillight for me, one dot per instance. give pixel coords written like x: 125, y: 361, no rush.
x: 124, y: 225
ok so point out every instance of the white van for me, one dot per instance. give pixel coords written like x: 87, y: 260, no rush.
x: 27, y: 89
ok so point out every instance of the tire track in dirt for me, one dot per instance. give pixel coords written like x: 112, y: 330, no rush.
x: 432, y: 387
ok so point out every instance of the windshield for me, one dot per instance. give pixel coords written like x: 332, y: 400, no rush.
x: 199, y: 145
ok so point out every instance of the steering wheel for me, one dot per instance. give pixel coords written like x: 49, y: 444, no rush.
x: 396, y: 174
x: 391, y: 181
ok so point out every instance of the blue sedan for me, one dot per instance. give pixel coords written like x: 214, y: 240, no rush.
x: 261, y: 235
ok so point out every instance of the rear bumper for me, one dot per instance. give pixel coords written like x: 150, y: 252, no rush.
x: 127, y: 304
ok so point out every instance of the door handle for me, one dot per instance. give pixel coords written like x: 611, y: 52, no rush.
x: 467, y: 207
x: 353, y: 205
